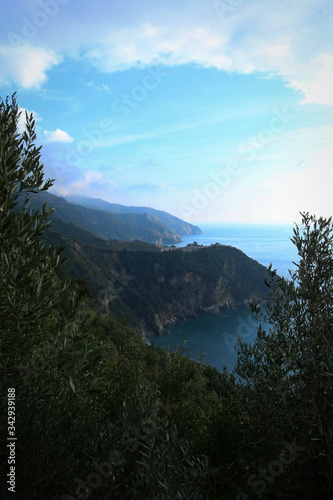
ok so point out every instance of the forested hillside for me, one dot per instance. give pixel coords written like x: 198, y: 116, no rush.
x: 177, y: 225
x: 126, y: 227
x: 89, y: 411
x: 152, y: 289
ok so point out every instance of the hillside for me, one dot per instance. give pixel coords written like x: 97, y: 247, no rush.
x: 125, y: 227
x: 89, y: 410
x: 151, y: 289
x: 177, y: 225
x: 60, y: 231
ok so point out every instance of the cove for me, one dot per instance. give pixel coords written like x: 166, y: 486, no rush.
x: 214, y: 336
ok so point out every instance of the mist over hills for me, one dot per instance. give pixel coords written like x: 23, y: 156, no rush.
x: 139, y: 281
x: 177, y: 225
x: 127, y: 226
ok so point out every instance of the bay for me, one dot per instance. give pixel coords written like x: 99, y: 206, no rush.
x: 212, y: 336
x: 215, y: 336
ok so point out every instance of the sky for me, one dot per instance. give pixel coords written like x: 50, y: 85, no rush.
x: 217, y: 111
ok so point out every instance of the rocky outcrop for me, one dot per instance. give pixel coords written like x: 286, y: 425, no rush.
x: 192, y: 296
x: 151, y: 288
x: 166, y: 288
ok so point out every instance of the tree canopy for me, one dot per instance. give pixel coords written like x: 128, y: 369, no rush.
x: 100, y: 414
x: 289, y: 367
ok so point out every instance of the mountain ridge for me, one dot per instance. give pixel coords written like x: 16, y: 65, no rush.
x: 125, y: 227
x: 177, y: 225
x: 151, y: 288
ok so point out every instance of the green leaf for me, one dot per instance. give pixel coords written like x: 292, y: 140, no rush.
x: 71, y: 383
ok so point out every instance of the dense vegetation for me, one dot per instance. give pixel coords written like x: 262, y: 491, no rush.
x: 149, y: 288
x: 126, y: 227
x: 59, y: 234
x: 101, y: 415
x: 177, y: 225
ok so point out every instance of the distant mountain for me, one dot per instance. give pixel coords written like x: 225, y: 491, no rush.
x: 125, y: 227
x: 174, y: 223
x: 60, y: 232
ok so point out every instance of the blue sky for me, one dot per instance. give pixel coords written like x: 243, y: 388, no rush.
x: 213, y: 110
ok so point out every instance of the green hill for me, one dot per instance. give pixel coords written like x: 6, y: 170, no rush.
x: 60, y: 232
x: 125, y: 227
x: 151, y: 288
x: 177, y: 225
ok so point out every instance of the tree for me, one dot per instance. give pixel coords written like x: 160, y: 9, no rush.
x: 29, y: 285
x: 82, y: 396
x: 42, y: 340
x: 34, y: 301
x: 287, y: 373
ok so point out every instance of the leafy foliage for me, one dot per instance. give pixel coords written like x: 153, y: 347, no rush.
x: 148, y: 287
x: 100, y: 414
x: 288, y: 370
x: 26, y: 265
x: 83, y: 382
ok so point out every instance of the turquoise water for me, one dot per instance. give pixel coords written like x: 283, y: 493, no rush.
x: 216, y: 336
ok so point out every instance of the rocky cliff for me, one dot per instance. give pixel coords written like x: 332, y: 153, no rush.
x: 153, y: 289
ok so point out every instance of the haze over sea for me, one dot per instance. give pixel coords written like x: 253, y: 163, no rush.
x: 216, y: 335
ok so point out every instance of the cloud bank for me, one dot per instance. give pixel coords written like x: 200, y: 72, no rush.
x: 291, y: 41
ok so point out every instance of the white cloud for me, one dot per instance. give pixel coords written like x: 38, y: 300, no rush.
x: 274, y: 38
x: 57, y: 136
x: 90, y: 183
x: 22, y: 119
x: 291, y: 40
x: 100, y: 88
x: 281, y: 182
x: 139, y: 46
x: 317, y: 87
x: 26, y: 66
x: 302, y: 184
x: 307, y: 189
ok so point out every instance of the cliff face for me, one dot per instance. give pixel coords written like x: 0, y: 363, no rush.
x: 153, y: 289
x: 191, y: 294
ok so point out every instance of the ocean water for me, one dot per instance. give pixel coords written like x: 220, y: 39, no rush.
x: 215, y: 336
x: 266, y: 244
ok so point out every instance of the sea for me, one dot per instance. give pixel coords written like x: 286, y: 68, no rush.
x: 214, y: 338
